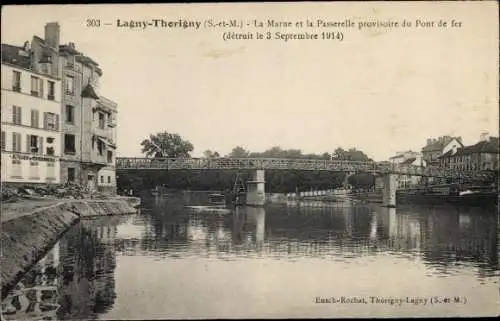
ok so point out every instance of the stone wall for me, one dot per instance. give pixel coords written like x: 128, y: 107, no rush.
x: 27, y: 238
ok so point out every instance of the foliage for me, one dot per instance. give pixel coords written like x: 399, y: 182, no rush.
x: 165, y: 144
x: 239, y: 152
x: 209, y: 154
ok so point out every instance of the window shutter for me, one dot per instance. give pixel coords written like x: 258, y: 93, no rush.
x: 19, y: 115
x: 37, y: 118
x: 33, y: 116
x: 40, y: 145
x: 40, y: 81
x: 57, y: 121
x: 28, y: 143
x: 14, y: 114
x: 45, y: 118
x: 14, y: 142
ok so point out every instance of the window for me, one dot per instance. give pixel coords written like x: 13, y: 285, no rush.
x: 52, y: 90
x: 50, y: 151
x: 3, y: 140
x: 100, y: 147
x: 35, y: 118
x: 102, y: 119
x: 16, y: 142
x: 110, y: 156
x: 109, y: 179
x: 16, y: 115
x: 50, y: 140
x: 16, y: 81
x: 32, y: 142
x: 70, y: 114
x: 51, y: 121
x: 71, y: 174
x: 102, y: 179
x: 69, y: 144
x: 36, y: 86
x: 70, y: 85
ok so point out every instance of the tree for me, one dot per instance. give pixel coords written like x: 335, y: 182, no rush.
x: 209, y: 154
x: 165, y: 144
x: 239, y: 152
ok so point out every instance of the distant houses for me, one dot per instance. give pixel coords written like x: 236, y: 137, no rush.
x: 436, y: 147
x: 483, y: 155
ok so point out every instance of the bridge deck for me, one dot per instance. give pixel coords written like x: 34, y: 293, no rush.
x: 128, y: 163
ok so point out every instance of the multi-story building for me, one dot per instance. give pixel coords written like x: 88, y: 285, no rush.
x: 408, y: 158
x: 83, y: 138
x: 438, y: 146
x: 88, y: 123
x: 31, y: 105
x: 483, y: 155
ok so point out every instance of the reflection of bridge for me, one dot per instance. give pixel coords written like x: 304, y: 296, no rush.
x: 255, y: 192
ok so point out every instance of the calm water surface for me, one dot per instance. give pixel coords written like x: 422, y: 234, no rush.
x: 280, y: 261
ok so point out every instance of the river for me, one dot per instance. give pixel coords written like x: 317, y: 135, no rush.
x: 283, y: 260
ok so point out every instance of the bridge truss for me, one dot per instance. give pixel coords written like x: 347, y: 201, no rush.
x: 225, y: 163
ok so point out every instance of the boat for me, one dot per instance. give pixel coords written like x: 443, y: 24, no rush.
x: 451, y: 194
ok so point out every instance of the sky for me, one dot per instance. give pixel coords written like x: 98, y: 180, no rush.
x: 380, y: 90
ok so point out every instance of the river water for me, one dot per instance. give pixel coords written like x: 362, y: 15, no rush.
x: 284, y: 260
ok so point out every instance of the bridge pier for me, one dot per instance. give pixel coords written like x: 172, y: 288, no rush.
x: 256, y: 195
x: 389, y: 190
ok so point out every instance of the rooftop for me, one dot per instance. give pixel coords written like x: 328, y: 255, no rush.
x: 487, y: 146
x: 440, y: 143
x: 16, y: 56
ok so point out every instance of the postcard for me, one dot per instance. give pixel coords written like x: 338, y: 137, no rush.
x: 250, y: 160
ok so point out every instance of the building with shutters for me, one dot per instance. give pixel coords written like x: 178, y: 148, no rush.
x: 31, y: 105
x: 52, y: 100
x: 88, y: 121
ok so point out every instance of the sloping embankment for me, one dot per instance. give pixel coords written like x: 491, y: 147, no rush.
x: 26, y: 238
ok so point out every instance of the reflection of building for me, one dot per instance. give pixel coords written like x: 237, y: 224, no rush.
x: 35, y: 297
x: 31, y: 131
x: 86, y: 280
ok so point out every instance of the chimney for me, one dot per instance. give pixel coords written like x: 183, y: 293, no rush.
x: 429, y: 141
x: 484, y: 137
x: 52, y: 32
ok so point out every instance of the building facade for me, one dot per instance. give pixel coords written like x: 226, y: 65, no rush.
x: 88, y: 125
x: 408, y: 158
x: 436, y: 147
x: 79, y: 122
x: 30, y: 114
x: 483, y: 155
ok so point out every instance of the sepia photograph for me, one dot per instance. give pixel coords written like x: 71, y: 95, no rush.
x: 253, y: 160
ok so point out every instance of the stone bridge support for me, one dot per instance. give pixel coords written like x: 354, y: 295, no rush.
x: 256, y: 195
x: 390, y: 185
x: 346, y: 179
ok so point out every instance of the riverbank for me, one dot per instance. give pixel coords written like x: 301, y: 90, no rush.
x: 31, y: 227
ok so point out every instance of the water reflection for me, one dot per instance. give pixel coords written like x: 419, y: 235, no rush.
x: 78, y: 278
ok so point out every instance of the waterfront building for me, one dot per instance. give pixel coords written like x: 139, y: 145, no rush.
x: 408, y: 158
x: 438, y: 146
x: 484, y: 155
x: 30, y: 115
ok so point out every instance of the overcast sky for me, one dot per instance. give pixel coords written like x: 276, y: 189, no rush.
x: 381, y: 91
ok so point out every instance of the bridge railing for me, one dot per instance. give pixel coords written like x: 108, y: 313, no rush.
x: 291, y: 164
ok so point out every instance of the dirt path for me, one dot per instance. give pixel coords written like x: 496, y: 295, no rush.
x: 26, y: 207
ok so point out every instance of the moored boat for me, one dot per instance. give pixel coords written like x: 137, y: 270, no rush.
x: 451, y: 194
